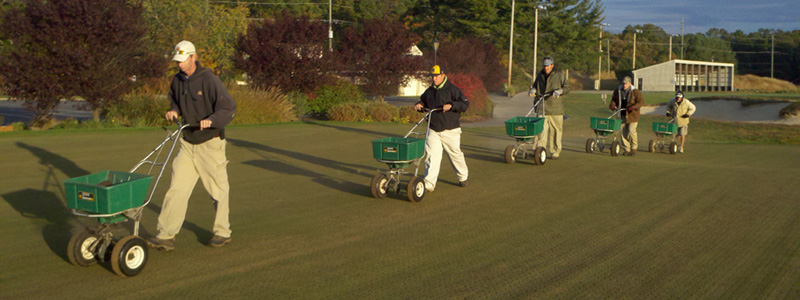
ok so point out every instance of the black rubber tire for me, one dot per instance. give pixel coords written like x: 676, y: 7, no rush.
x: 540, y: 156
x: 673, y: 148
x: 416, y: 189
x: 652, y: 146
x: 379, y: 186
x: 78, y: 249
x: 129, y: 256
x: 615, y: 148
x: 590, y: 143
x: 511, y: 154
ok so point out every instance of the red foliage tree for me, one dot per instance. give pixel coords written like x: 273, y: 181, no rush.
x: 64, y: 48
x: 377, y: 52
x: 289, y: 52
x: 474, y: 90
x: 471, y: 55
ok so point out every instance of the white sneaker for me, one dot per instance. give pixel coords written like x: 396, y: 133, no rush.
x: 680, y: 150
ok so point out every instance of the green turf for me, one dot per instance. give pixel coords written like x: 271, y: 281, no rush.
x: 720, y: 221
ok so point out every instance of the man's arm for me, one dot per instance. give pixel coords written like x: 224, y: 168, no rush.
x: 223, y: 105
x: 459, y: 102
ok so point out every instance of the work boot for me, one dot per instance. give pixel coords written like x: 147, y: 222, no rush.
x: 464, y: 183
x: 218, y: 241
x: 161, y: 244
x: 633, y: 152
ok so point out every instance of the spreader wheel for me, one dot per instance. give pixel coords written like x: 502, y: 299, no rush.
x: 82, y: 248
x: 379, y: 186
x: 511, y: 154
x: 129, y: 256
x: 416, y: 189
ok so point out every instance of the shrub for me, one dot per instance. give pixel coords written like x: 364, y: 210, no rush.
x: 381, y: 111
x: 326, y: 96
x: 18, y: 126
x: 69, y: 123
x: 407, y: 114
x: 479, y: 103
x: 300, y: 102
x: 136, y: 110
x: 255, y: 105
x: 348, y: 111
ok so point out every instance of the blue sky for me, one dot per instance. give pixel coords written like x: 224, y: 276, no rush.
x: 701, y: 15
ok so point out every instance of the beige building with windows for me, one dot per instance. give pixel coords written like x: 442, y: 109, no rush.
x: 685, y: 75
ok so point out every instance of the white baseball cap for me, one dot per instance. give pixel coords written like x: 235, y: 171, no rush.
x: 183, y: 50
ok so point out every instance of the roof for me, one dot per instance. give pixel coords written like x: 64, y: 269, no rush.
x: 689, y: 62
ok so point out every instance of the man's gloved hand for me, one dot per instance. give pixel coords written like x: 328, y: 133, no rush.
x: 669, y: 114
x: 685, y: 116
x: 557, y: 93
x: 630, y: 108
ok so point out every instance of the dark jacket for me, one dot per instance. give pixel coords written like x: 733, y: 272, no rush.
x: 435, y: 97
x: 198, y: 97
x: 544, y: 85
x: 634, y: 102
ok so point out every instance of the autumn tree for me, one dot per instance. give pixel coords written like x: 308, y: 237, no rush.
x: 377, y: 52
x: 213, y: 29
x: 289, y: 52
x: 64, y: 48
x: 471, y: 56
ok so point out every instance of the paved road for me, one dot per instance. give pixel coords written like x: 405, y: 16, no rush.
x: 13, y: 111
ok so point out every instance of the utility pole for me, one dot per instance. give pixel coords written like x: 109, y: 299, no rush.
x: 608, y: 54
x: 772, y: 59
x: 600, y: 57
x: 634, y: 47
x: 535, y: 44
x: 511, y: 45
x: 669, y: 56
x: 330, y: 25
x: 681, y: 38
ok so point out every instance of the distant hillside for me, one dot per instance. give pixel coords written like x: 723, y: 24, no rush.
x: 751, y: 82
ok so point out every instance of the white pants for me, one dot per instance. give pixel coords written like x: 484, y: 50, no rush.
x: 551, y: 134
x: 447, y: 140
x: 630, y: 139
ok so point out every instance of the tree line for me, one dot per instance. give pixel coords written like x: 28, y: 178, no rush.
x: 101, y: 49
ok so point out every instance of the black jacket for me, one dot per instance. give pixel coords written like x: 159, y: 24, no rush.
x: 198, y: 97
x: 436, y: 98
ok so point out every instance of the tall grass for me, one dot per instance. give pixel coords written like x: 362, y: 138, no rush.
x: 256, y: 105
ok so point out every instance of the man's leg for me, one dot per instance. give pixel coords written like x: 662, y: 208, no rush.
x: 545, y: 135
x: 433, y: 148
x: 184, y: 177
x: 556, y: 132
x: 212, y: 168
x: 451, y: 141
x: 634, y: 135
x: 626, y: 144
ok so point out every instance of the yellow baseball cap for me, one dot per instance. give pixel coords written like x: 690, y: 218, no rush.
x: 436, y: 70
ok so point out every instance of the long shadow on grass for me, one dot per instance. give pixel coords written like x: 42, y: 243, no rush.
x: 270, y: 163
x: 377, y: 134
x: 46, y: 203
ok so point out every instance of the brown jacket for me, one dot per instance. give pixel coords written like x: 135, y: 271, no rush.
x: 635, y: 102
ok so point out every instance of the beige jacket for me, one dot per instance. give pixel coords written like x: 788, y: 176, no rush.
x: 677, y: 110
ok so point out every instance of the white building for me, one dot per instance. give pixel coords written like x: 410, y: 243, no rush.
x: 414, y: 87
x: 685, y: 75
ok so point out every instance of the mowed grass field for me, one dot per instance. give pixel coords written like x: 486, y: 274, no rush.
x: 721, y: 221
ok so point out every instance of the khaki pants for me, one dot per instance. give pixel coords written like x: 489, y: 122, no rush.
x: 437, y: 142
x: 630, y: 139
x: 206, y: 161
x: 550, y: 138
